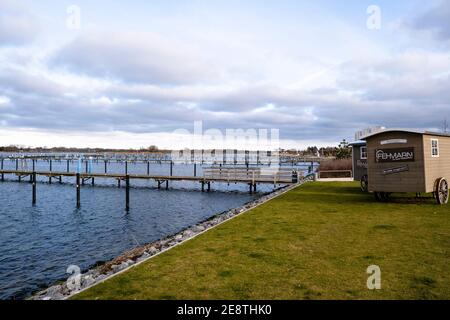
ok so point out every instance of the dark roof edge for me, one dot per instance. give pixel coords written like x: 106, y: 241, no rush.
x: 422, y: 132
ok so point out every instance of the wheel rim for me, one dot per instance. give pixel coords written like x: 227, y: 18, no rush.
x: 443, y: 191
x: 364, y: 183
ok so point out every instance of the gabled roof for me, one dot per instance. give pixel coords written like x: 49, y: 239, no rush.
x: 442, y: 134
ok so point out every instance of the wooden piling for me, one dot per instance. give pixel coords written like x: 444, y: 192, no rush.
x: 195, y: 169
x: 106, y: 166
x: 127, y: 192
x: 171, y: 168
x: 78, y: 190
x: 126, y: 167
x: 148, y: 168
x: 33, y: 179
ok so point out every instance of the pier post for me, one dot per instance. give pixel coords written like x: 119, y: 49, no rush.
x: 127, y: 192
x: 118, y: 182
x: 78, y: 190
x: 203, y: 186
x: 106, y: 166
x: 251, y: 189
x: 171, y: 167
x: 33, y: 179
x: 67, y: 165
x: 34, y: 164
x: 209, y: 186
x: 195, y: 169
x: 93, y: 181
x: 148, y: 168
x: 254, y: 187
x: 167, y: 184
x: 126, y: 167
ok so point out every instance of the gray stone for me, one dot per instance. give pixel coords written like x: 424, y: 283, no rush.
x: 178, y: 237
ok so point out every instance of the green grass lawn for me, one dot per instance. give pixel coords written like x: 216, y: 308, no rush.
x: 314, y: 242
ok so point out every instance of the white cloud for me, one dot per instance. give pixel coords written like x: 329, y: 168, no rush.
x: 4, y: 101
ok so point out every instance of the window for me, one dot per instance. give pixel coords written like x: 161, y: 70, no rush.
x: 434, y: 148
x: 363, y: 153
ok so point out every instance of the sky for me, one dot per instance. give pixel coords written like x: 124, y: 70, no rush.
x: 130, y: 74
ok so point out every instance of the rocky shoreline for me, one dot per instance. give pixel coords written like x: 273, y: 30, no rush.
x: 137, y: 255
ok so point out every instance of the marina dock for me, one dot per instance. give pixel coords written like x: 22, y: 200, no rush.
x: 252, y: 176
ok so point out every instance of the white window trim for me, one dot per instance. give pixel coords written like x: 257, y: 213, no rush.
x: 437, y: 147
x: 361, y: 153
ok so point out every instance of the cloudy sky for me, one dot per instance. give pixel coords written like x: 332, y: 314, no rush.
x: 129, y: 73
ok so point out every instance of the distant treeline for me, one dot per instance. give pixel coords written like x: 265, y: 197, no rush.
x: 15, y: 148
x: 340, y: 152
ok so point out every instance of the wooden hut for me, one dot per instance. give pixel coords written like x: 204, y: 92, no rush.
x: 359, y: 163
x: 408, y: 161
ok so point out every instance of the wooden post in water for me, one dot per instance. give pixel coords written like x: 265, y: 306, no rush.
x: 67, y: 165
x: 33, y: 179
x: 106, y: 166
x: 127, y: 192
x: 126, y: 167
x: 171, y: 167
x: 50, y: 178
x: 17, y: 164
x: 78, y: 190
x: 195, y: 169
x: 148, y: 167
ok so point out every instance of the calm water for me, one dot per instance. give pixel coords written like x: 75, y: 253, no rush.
x: 38, y: 243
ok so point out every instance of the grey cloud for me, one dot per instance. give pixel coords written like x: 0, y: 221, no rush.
x: 436, y: 20
x: 142, y: 58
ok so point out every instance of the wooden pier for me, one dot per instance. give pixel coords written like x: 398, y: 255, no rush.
x: 250, y: 176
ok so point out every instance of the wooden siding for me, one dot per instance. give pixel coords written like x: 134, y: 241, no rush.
x: 408, y: 181
x: 436, y: 167
x: 358, y: 169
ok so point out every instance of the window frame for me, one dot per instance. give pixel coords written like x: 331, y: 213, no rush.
x: 435, y: 148
x: 361, y: 157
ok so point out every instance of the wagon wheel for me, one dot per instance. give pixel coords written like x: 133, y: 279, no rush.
x: 441, y: 191
x: 385, y: 196
x: 378, y: 196
x: 364, y: 183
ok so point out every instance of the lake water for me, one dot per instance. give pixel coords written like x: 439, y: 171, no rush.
x: 38, y: 243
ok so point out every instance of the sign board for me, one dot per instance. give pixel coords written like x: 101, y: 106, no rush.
x: 396, y: 170
x: 394, y: 155
x: 361, y: 164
